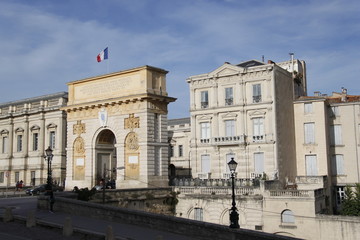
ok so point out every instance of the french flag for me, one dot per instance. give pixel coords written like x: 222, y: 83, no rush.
x: 103, y: 55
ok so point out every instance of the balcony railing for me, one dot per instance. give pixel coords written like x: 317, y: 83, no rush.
x: 258, y: 138
x: 229, y: 101
x: 228, y: 140
x: 204, y: 104
x: 292, y: 193
x: 213, y: 182
x: 217, y: 190
x: 257, y: 99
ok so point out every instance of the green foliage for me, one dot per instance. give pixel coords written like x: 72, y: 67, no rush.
x: 84, y: 194
x: 351, y: 202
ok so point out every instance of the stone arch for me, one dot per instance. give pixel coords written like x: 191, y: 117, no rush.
x: 105, y: 154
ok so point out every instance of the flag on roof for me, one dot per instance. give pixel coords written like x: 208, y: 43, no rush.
x: 103, y: 55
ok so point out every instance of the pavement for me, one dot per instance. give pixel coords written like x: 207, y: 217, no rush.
x: 50, y: 225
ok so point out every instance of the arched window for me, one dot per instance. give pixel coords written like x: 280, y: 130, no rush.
x: 287, y: 216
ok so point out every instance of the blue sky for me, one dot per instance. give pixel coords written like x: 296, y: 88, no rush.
x: 47, y: 43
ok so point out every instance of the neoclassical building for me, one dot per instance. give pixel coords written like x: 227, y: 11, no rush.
x: 27, y: 128
x: 245, y: 111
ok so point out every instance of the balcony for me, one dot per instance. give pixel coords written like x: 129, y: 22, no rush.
x: 257, y: 99
x: 258, y: 138
x: 204, y: 104
x: 218, y: 141
x: 229, y: 101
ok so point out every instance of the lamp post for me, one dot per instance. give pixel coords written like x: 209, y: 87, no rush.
x: 234, y: 216
x: 49, y: 191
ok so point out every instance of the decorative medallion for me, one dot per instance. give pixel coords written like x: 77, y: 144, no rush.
x: 79, y: 145
x: 132, y: 142
x: 103, y: 116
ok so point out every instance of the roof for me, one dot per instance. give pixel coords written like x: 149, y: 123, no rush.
x: 250, y: 63
x: 178, y: 121
x: 35, y: 99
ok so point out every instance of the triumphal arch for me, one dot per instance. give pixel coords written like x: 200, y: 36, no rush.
x: 117, y: 129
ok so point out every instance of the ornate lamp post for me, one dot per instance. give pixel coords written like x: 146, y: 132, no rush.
x: 234, y: 216
x: 49, y: 191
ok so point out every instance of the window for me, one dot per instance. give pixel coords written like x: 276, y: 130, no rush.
x: 308, y: 108
x: 35, y: 141
x: 157, y: 164
x: 311, y: 165
x: 335, y: 111
x: 17, y: 176
x: 309, y: 131
x: 287, y: 216
x: 205, y: 131
x: 229, y: 96
x: 198, y: 214
x: 156, y: 127
x: 180, y: 150
x: 335, y: 134
x: 2, y: 177
x: 229, y: 128
x: 19, y: 143
x: 32, y: 178
x: 171, y: 151
x: 259, y: 162
x: 340, y: 195
x: 4, y: 144
x: 338, y: 164
x: 52, y: 140
x: 204, y: 99
x: 258, y: 129
x: 205, y: 163
x: 256, y: 93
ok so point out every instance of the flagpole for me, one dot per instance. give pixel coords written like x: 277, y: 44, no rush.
x: 108, y: 61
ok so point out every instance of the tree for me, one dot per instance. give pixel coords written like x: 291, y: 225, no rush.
x: 351, y: 202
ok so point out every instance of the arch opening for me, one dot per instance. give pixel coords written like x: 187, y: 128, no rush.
x: 105, y: 163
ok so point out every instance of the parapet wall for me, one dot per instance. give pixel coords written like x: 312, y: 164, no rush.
x: 193, y: 229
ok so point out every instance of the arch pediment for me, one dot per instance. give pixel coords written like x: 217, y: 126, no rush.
x: 4, y: 132
x: 226, y: 70
x: 257, y: 113
x: 229, y: 115
x: 35, y: 127
x: 203, y: 118
x: 51, y: 125
x: 19, y: 129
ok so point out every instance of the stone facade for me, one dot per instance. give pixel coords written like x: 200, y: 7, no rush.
x: 27, y: 128
x: 117, y: 129
x: 245, y: 112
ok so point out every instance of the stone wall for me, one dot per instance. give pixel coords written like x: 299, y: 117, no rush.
x: 194, y: 229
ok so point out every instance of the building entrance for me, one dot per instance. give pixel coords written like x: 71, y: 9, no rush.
x: 105, y: 157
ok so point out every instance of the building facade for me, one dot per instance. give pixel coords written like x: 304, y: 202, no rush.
x: 117, y: 129
x: 27, y: 128
x: 245, y: 112
x: 327, y: 130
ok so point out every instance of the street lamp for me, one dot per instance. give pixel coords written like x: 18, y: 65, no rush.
x: 234, y: 216
x: 49, y: 191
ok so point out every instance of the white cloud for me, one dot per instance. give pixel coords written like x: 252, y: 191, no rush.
x: 43, y: 49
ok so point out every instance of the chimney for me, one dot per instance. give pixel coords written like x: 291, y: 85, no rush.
x: 343, y: 94
x: 270, y: 62
x: 317, y: 94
